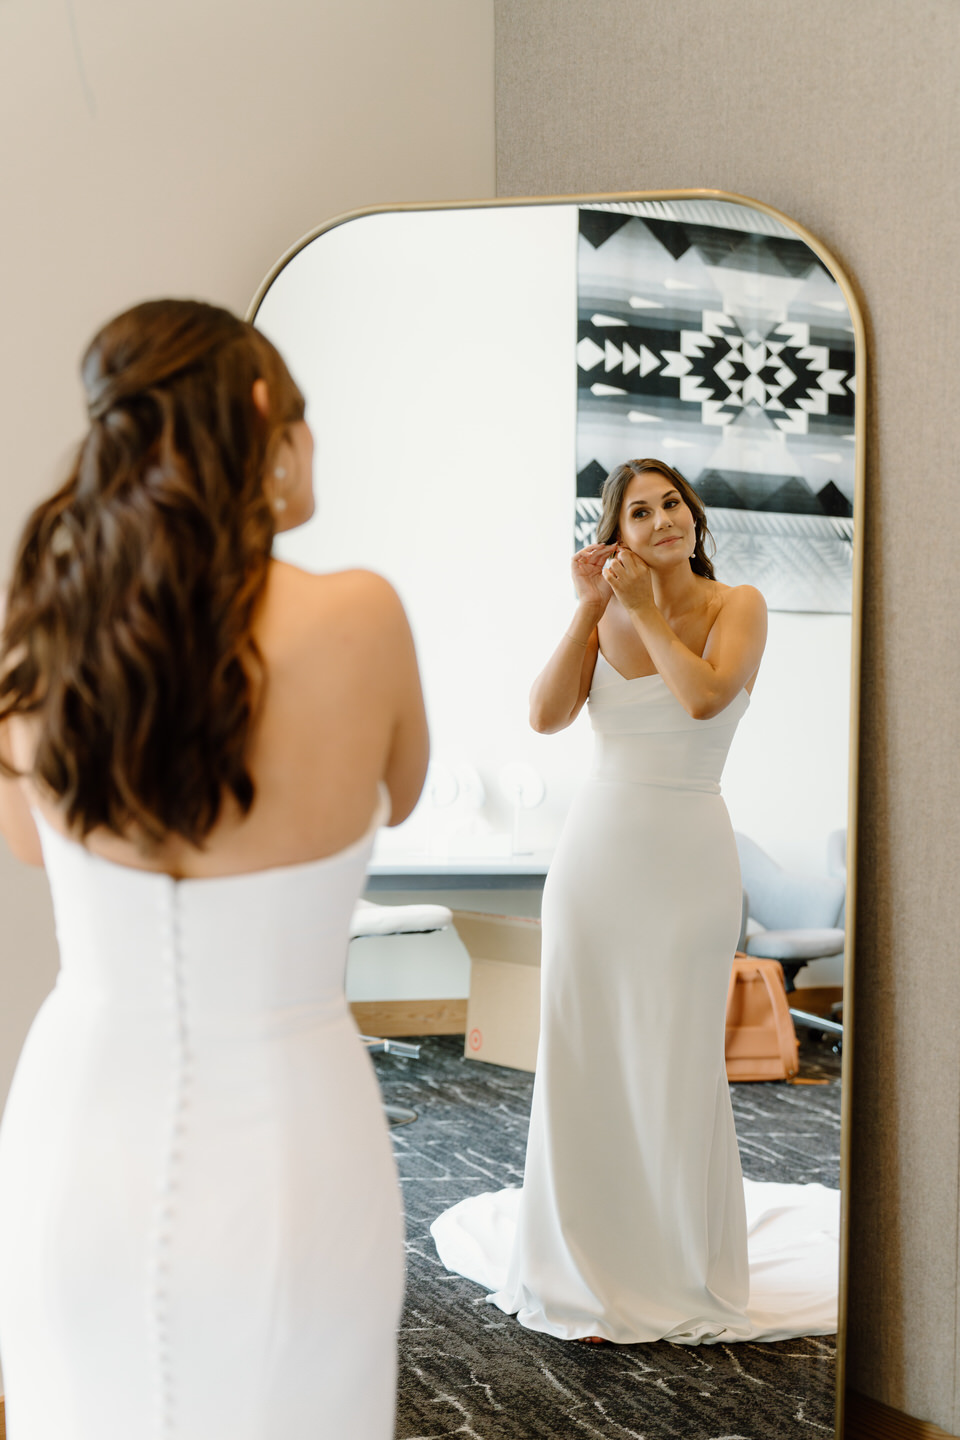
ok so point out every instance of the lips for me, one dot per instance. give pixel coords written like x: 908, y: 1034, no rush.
x: 668, y: 541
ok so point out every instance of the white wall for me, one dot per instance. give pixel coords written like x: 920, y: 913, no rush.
x: 786, y: 777
x: 437, y: 352
x: 180, y: 149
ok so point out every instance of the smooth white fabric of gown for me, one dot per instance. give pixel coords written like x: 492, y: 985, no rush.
x: 632, y: 1221
x: 201, y: 1230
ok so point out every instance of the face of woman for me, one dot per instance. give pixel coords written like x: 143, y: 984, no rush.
x: 655, y: 520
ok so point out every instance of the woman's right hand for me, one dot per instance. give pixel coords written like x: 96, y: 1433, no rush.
x: 586, y: 568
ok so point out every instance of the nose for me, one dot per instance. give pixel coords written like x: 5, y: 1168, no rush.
x: 662, y: 520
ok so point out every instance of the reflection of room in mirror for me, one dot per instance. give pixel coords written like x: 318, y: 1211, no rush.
x: 522, y: 787
x: 445, y: 461
x: 712, y: 336
x: 441, y: 357
x: 448, y: 824
x: 438, y: 353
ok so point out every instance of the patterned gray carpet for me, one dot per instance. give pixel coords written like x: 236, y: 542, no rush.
x: 468, y: 1370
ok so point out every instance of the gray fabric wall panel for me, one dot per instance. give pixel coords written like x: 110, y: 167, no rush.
x: 846, y: 118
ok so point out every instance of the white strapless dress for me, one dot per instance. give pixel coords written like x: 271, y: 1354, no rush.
x: 633, y: 1222
x: 201, y: 1231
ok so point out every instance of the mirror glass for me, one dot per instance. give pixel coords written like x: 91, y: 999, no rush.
x: 473, y: 373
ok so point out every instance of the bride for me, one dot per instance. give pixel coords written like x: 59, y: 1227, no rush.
x: 200, y: 1223
x: 632, y: 1224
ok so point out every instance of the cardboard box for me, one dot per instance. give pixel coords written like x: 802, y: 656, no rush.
x: 503, y: 1011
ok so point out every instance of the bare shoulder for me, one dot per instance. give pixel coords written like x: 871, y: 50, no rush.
x: 367, y: 588
x: 335, y: 588
x: 302, y: 602
x: 743, y: 603
x: 746, y: 596
x: 348, y: 617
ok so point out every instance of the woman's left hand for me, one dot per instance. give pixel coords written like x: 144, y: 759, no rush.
x: 630, y: 579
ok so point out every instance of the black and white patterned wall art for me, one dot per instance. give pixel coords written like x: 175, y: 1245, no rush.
x: 711, y: 337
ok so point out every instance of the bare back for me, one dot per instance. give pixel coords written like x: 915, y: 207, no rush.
x: 342, y: 711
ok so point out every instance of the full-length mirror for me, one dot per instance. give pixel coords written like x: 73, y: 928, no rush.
x: 472, y: 375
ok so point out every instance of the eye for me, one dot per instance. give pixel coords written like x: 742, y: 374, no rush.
x: 670, y: 504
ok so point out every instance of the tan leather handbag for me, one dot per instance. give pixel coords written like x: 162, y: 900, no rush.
x: 761, y: 1042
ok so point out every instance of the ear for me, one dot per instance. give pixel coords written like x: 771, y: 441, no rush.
x: 261, y: 398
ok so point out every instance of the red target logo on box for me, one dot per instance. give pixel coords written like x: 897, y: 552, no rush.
x: 475, y: 1039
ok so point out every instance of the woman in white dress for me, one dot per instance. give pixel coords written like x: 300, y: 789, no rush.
x: 631, y: 1224
x: 200, y: 1222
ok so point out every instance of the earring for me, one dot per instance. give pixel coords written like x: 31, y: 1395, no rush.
x: 279, y: 505
x: 279, y: 472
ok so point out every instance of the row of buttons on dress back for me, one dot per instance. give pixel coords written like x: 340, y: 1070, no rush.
x: 161, y: 1237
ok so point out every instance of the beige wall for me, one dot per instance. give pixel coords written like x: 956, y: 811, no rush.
x: 179, y: 149
x: 846, y: 117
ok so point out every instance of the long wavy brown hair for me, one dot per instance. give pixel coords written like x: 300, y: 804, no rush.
x: 129, y: 626
x: 611, y: 501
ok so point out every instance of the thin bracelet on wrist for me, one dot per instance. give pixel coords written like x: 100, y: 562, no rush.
x: 581, y: 643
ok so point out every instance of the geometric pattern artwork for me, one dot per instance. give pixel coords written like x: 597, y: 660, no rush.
x: 793, y: 559
x: 720, y: 369
x: 711, y: 336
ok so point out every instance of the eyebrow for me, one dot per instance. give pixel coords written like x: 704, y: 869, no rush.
x: 665, y: 496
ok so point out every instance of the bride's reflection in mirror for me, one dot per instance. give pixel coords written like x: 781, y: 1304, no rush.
x: 534, y: 345
x: 631, y: 1224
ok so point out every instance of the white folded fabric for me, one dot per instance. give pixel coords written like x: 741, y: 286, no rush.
x: 371, y: 919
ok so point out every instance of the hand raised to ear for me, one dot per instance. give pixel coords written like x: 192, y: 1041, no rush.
x: 631, y: 580
x: 586, y: 569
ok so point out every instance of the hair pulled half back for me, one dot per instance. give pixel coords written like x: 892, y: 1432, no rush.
x: 611, y: 497
x: 129, y: 624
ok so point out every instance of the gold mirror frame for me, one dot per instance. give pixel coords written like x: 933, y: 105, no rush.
x: 856, y: 319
